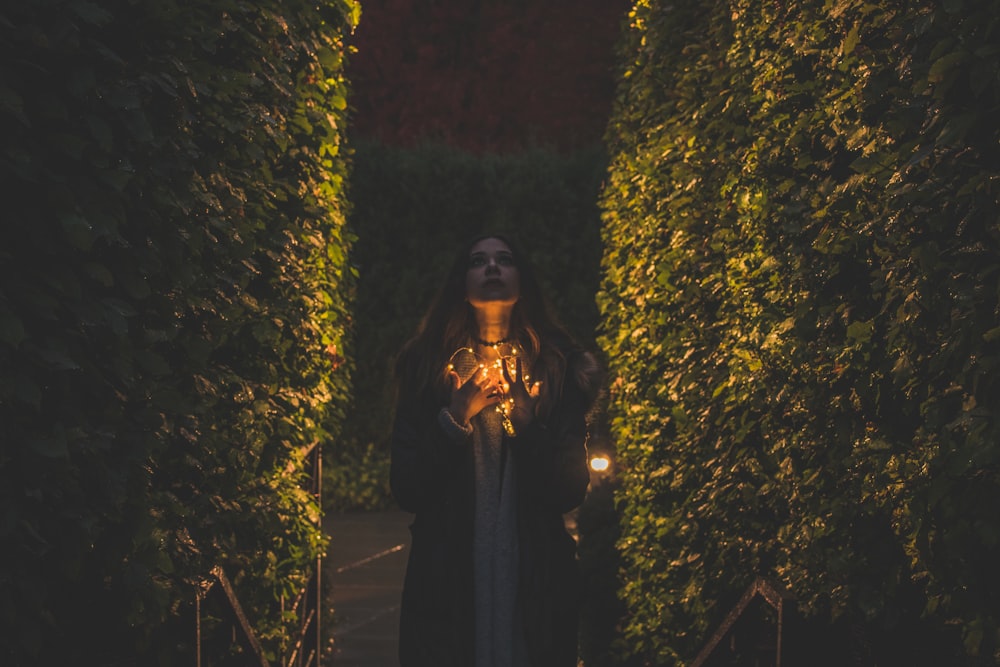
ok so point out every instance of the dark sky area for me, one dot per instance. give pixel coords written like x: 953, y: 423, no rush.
x: 485, y: 75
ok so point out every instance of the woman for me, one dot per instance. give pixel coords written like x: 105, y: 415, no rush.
x: 489, y: 452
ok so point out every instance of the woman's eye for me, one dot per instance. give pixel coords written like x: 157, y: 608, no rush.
x: 483, y: 260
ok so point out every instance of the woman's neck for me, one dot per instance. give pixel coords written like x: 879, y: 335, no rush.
x: 493, y: 326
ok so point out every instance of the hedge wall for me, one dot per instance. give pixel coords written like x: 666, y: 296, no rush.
x: 800, y: 305
x: 173, y: 302
x: 411, y: 208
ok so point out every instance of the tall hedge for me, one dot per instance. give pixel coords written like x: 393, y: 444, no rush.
x: 800, y: 305
x: 173, y: 306
x: 411, y: 209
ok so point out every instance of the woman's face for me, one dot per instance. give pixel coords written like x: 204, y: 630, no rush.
x: 492, y: 277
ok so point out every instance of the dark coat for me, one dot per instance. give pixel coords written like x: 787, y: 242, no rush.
x: 432, y: 476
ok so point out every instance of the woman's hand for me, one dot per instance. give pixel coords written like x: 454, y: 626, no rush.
x: 470, y: 398
x: 522, y: 413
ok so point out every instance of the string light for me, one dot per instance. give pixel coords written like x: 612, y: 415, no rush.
x: 465, y: 360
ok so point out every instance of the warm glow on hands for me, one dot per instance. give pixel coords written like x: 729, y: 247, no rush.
x: 521, y: 397
x: 501, y: 372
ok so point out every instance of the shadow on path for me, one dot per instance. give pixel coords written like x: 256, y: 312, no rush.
x: 364, y: 570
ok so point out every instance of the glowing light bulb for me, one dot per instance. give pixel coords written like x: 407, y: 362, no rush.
x: 600, y: 463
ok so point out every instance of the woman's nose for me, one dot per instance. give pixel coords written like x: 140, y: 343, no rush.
x: 492, y: 266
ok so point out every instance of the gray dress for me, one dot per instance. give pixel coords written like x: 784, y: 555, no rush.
x: 499, y: 634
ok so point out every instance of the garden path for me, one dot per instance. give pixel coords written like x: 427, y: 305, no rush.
x: 364, y: 569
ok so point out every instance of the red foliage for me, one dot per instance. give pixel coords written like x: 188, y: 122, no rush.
x: 485, y: 75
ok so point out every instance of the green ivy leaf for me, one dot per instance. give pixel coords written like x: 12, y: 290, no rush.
x: 51, y: 448
x: 11, y: 330
x: 13, y: 104
x: 860, y: 332
x: 78, y: 231
x: 943, y: 66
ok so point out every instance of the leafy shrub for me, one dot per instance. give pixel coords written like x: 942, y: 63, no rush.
x: 799, y: 308
x: 173, y: 308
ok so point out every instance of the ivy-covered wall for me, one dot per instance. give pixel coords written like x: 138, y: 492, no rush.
x: 173, y: 309
x: 800, y: 307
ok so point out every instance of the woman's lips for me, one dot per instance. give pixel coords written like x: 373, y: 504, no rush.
x: 493, y: 282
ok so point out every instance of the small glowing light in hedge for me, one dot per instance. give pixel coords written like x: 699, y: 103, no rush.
x: 600, y: 463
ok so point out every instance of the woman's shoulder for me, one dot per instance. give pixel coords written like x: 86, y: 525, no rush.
x: 584, y: 372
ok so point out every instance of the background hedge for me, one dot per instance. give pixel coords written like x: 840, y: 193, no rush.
x: 173, y: 306
x: 800, y: 308
x: 411, y: 209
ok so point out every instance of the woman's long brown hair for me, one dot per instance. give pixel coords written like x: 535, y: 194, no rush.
x: 450, y: 324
